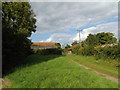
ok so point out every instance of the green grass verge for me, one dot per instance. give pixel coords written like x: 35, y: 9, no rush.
x: 103, y: 66
x: 53, y: 71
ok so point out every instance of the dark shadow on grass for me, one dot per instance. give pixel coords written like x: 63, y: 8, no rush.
x: 32, y: 60
x: 35, y: 59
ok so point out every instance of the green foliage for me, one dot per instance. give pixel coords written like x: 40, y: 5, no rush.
x: 67, y: 46
x: 91, y: 40
x: 107, y: 52
x: 88, y: 51
x: 76, y: 49
x: 18, y: 23
x: 105, y: 38
x: 100, y: 38
x: 81, y: 51
x: 74, y: 43
x: 93, y: 46
x: 58, y: 45
x: 56, y: 51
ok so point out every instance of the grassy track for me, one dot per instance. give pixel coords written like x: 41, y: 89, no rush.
x: 55, y: 72
x: 103, y: 66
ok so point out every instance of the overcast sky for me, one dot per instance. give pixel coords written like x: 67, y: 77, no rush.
x: 59, y: 21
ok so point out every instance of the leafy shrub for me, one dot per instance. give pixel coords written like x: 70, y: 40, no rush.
x: 75, y: 50
x: 48, y: 51
x: 107, y: 52
x: 100, y: 45
x: 81, y: 51
x: 99, y: 52
x: 88, y: 51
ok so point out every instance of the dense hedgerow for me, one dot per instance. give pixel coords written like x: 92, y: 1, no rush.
x: 107, y: 52
x: 76, y: 50
x: 99, y: 52
x: 101, y: 45
x: 56, y: 51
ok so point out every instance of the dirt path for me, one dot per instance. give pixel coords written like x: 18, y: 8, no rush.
x: 99, y: 73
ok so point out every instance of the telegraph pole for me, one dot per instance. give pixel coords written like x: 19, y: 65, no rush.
x: 79, y: 36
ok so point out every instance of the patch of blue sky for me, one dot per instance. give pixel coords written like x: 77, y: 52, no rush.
x: 36, y: 37
x: 73, y: 30
x: 100, y: 23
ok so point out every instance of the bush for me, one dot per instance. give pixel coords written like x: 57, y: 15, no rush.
x: 75, y: 50
x: 48, y: 51
x: 88, y: 51
x: 107, y: 52
x: 99, y: 52
x: 81, y: 51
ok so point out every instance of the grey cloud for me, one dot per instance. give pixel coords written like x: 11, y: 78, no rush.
x: 60, y: 37
x: 61, y: 16
x: 74, y: 0
x: 109, y: 27
x: 68, y: 38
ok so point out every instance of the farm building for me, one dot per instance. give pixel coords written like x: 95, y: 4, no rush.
x: 43, y: 45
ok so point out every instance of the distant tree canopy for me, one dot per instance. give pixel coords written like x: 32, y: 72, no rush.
x: 91, y: 40
x: 18, y: 23
x: 100, y: 38
x: 75, y: 42
x: 106, y: 38
x: 67, y: 46
x: 58, y: 45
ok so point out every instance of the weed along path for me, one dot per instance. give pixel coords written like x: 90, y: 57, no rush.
x: 53, y: 71
x: 99, y: 73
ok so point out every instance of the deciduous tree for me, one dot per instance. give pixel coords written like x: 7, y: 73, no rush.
x: 18, y: 23
x: 74, y: 43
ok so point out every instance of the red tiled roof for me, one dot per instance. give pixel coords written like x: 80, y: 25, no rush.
x: 74, y: 46
x: 44, y: 43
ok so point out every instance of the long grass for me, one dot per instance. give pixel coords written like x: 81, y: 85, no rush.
x: 55, y: 72
x: 106, y: 66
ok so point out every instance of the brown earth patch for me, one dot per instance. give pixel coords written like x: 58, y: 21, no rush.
x: 4, y: 83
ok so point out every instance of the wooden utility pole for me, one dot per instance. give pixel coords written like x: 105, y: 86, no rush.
x: 79, y: 36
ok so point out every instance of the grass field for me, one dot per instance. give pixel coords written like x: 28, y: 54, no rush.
x: 54, y: 71
x: 104, y: 66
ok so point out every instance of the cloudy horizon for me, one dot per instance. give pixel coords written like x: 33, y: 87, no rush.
x: 59, y: 21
